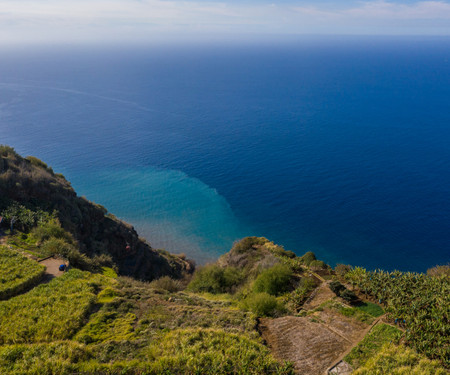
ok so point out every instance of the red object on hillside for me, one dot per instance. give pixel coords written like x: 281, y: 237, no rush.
x: 128, y: 248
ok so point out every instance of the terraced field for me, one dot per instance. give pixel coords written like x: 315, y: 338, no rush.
x: 52, y: 311
x: 17, y: 273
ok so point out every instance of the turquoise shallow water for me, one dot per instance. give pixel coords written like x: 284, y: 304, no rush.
x: 167, y: 207
x: 335, y: 145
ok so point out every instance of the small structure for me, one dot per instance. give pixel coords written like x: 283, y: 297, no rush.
x: 62, y: 267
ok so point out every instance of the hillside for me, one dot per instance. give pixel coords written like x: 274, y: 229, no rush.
x: 30, y: 190
x: 258, y: 310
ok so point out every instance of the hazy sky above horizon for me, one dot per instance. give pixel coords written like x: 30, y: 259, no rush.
x: 158, y: 20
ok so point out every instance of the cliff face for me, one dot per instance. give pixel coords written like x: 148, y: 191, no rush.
x: 33, y: 184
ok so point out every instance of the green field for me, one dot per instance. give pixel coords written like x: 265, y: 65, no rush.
x: 371, y: 309
x: 17, y: 273
x: 52, y: 311
x: 371, y: 344
x: 134, y: 330
x: 394, y: 359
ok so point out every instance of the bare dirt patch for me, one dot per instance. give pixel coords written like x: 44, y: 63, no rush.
x: 313, y: 343
x: 52, y: 269
x: 310, y: 346
x: 344, y: 326
x: 322, y: 294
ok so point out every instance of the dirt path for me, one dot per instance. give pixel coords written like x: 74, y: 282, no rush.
x: 52, y: 268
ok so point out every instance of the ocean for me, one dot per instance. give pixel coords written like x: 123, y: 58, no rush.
x: 335, y: 145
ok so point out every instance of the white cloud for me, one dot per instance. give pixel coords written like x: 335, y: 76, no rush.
x: 137, y: 20
x: 375, y: 10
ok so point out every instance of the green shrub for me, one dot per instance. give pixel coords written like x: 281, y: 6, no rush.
x: 51, y: 228
x: 301, y: 293
x: 349, y: 296
x: 166, y: 283
x: 233, y: 278
x: 280, y: 251
x: 39, y: 163
x: 290, y: 254
x: 263, y: 304
x: 57, y: 246
x: 104, y: 261
x: 7, y: 151
x: 342, y: 269
x: 110, y: 272
x: 60, y: 247
x: 308, y: 257
x: 318, y: 264
x: 274, y: 281
x: 215, y: 279
x: 336, y: 287
x: 247, y: 243
x: 61, y: 176
x: 107, y: 295
x: 341, y: 291
x: 438, y: 271
x: 25, y: 218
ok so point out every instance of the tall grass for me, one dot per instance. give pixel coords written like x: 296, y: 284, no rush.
x: 400, y: 360
x: 17, y: 273
x: 371, y: 344
x: 49, y: 312
x: 209, y: 351
x: 42, y: 359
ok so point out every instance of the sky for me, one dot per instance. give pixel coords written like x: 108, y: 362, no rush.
x: 48, y: 21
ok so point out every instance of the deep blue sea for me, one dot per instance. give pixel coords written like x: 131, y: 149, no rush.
x: 340, y: 146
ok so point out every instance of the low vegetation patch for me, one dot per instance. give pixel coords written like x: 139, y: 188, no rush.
x: 263, y: 304
x: 49, y: 358
x: 106, y: 326
x: 210, y: 351
x: 400, y: 360
x: 297, y: 297
x: 371, y: 344
x: 17, y: 272
x: 215, y: 279
x: 49, y: 312
x: 370, y: 308
x: 351, y: 312
x: 274, y: 281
